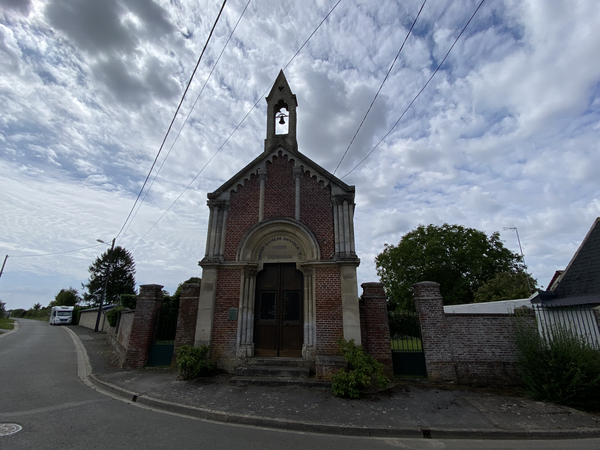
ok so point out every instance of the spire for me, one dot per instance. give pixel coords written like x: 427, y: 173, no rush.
x: 281, y: 115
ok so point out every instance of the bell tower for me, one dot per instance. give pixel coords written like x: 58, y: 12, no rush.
x: 281, y: 116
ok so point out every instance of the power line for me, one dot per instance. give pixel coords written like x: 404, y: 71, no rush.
x: 417, y: 96
x: 174, y: 116
x: 380, y: 87
x: 187, y: 117
x: 237, y: 126
x: 57, y: 253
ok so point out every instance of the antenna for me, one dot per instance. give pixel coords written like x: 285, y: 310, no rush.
x: 522, y: 255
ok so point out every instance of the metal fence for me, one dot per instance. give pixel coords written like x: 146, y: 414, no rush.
x: 579, y: 320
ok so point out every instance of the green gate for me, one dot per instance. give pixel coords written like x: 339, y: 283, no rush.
x: 163, y: 340
x: 407, y: 349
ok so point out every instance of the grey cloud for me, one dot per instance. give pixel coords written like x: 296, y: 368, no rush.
x: 127, y: 88
x: 97, y: 26
x: 22, y: 6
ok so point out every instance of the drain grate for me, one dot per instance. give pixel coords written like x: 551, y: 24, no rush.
x: 6, y: 429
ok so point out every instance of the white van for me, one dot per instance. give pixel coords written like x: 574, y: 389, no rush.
x: 61, y: 315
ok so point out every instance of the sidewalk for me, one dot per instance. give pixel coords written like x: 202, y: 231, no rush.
x: 406, y: 410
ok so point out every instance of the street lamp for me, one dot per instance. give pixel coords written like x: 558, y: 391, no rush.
x: 105, y: 281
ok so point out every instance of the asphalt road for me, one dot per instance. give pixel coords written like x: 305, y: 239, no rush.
x: 41, y: 392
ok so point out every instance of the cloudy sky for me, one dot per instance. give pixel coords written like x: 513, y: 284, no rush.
x: 506, y: 134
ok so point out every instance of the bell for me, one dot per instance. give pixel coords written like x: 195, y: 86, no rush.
x: 281, y: 120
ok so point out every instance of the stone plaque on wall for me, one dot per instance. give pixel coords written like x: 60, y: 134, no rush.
x: 279, y: 249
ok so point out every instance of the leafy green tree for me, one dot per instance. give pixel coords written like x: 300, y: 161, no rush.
x: 460, y: 259
x: 121, y: 279
x: 506, y: 286
x: 66, y: 297
x: 37, y: 306
x: 2, y: 309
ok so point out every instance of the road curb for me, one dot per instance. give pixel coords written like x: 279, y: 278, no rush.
x: 14, y: 330
x: 84, y: 371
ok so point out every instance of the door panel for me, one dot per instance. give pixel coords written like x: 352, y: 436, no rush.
x: 278, y: 316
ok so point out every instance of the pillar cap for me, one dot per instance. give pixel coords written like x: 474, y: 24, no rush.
x: 372, y: 284
x: 426, y: 284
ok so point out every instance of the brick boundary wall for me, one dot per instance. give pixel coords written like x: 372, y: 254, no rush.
x: 477, y: 349
x: 483, y: 348
x: 119, y: 336
x: 376, y: 337
x: 142, y: 329
x: 434, y: 334
x: 186, y: 320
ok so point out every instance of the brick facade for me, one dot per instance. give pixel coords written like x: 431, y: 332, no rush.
x: 329, y: 311
x: 223, y: 342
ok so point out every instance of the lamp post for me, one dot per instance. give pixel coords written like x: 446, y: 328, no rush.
x: 105, y: 281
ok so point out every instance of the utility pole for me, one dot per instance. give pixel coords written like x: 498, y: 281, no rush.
x: 110, y: 258
x: 3, y: 264
x: 522, y: 256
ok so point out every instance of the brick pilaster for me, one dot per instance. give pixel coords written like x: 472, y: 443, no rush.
x: 377, y: 341
x: 186, y: 320
x: 434, y: 333
x: 142, y: 329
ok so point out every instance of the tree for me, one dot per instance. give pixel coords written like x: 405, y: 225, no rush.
x: 506, y: 286
x: 66, y: 297
x: 121, y: 278
x: 173, y: 301
x: 460, y: 259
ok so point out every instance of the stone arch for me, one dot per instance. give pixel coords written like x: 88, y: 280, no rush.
x: 265, y: 242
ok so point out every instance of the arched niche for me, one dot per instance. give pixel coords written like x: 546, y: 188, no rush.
x: 278, y: 241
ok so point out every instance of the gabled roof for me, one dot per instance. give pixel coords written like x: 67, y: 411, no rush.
x: 582, y: 275
x: 300, y: 160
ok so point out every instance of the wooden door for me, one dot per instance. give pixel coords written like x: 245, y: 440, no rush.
x: 278, y: 317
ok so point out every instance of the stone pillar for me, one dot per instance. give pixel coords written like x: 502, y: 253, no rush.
x: 377, y: 342
x: 142, y: 329
x: 245, y: 337
x: 188, y: 314
x: 262, y: 174
x: 206, y: 305
x: 434, y: 335
x: 350, y: 307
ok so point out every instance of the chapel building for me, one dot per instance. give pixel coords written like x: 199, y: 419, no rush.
x: 279, y: 273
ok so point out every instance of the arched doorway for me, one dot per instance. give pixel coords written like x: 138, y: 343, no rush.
x: 279, y: 318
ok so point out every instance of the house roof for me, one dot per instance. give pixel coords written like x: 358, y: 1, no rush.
x: 582, y: 275
x: 579, y: 283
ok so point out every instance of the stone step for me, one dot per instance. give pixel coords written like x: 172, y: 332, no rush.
x: 280, y: 381
x: 277, y: 361
x: 254, y: 371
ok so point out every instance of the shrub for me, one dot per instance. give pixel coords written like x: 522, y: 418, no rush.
x: 192, y: 362
x: 560, y: 367
x: 128, y: 300
x: 113, y: 315
x: 363, y: 370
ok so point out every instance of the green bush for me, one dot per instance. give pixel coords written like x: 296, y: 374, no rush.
x: 192, y: 362
x: 128, y: 300
x: 113, y: 315
x: 363, y: 371
x: 561, y: 367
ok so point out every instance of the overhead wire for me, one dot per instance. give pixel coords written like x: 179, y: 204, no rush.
x: 174, y: 117
x: 419, y: 93
x: 187, y: 118
x: 238, y: 125
x: 380, y: 87
x: 56, y: 253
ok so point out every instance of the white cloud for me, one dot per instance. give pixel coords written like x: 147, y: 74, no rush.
x: 505, y: 135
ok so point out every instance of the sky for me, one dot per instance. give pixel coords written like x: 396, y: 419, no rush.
x: 506, y: 134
